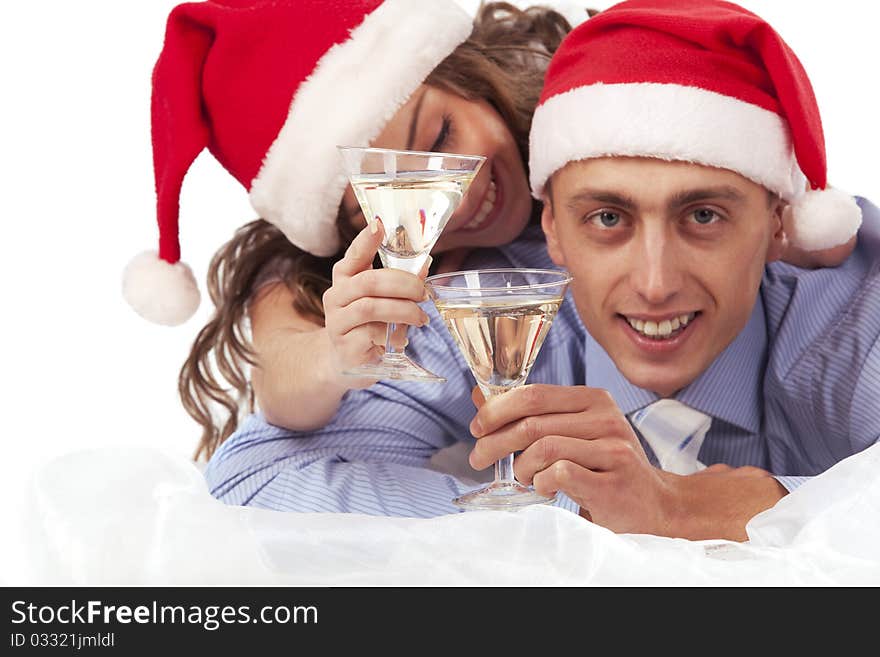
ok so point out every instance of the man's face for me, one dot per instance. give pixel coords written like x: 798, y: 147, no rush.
x: 667, y: 259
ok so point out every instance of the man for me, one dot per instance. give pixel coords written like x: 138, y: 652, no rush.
x: 672, y: 144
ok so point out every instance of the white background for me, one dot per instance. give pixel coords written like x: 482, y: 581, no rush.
x: 81, y: 369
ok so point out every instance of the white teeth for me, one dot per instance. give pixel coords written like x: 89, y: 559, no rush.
x: 485, y: 209
x: 662, y: 329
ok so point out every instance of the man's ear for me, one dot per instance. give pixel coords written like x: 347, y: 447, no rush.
x: 548, y: 223
x: 779, y: 213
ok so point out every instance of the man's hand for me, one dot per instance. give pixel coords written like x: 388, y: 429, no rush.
x: 576, y: 440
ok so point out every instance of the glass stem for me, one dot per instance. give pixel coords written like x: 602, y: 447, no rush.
x: 504, y: 470
x: 503, y: 466
x: 389, y: 349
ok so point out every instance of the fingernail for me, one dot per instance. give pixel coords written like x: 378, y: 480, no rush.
x: 476, y: 427
x: 374, y: 226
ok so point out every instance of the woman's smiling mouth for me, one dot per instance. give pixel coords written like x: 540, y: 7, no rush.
x: 489, y: 209
x: 484, y: 210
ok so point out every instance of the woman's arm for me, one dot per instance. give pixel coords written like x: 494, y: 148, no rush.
x: 298, y: 382
x: 295, y: 382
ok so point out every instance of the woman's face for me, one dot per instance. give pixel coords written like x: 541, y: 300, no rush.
x: 497, y: 206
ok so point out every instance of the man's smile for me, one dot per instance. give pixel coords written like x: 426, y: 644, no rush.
x: 660, y: 328
x: 659, y: 335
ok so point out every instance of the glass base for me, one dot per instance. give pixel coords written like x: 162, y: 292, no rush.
x: 397, y: 367
x: 501, y: 496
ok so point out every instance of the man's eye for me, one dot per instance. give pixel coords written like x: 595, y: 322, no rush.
x: 705, y: 216
x: 605, y: 219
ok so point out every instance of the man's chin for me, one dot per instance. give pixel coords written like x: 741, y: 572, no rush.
x: 657, y: 379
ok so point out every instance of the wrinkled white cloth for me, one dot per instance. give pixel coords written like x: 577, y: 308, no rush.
x: 142, y: 517
x: 675, y: 433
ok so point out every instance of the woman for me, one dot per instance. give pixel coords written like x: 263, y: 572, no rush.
x: 478, y: 100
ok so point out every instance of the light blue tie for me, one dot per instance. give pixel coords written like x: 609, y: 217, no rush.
x: 675, y: 433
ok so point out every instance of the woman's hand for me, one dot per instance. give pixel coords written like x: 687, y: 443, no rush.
x: 362, y: 301
x: 831, y: 257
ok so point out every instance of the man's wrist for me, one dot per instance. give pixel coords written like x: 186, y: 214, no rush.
x: 719, y: 505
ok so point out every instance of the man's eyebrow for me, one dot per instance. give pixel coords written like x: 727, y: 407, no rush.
x: 601, y: 196
x: 679, y: 200
x: 414, y: 121
x: 690, y: 196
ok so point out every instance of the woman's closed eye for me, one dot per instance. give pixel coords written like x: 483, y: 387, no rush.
x: 444, y: 136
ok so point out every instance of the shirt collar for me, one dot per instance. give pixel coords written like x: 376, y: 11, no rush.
x: 729, y: 389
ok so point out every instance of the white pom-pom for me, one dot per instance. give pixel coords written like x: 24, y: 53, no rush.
x: 159, y: 291
x: 821, y: 219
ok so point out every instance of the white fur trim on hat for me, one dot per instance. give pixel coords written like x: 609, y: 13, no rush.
x: 159, y: 291
x: 355, y: 89
x: 822, y: 219
x: 666, y: 121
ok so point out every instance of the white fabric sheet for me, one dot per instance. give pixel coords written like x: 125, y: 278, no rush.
x: 143, y: 517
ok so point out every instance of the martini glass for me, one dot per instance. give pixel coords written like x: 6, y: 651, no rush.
x: 499, y: 319
x: 414, y: 194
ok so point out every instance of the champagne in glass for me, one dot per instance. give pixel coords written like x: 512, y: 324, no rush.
x: 499, y: 319
x: 413, y: 194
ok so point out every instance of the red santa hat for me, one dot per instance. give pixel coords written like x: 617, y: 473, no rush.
x: 699, y: 81
x: 271, y: 88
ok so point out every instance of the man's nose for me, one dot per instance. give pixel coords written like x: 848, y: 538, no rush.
x: 657, y: 268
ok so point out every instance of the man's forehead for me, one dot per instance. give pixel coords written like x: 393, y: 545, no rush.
x: 635, y: 179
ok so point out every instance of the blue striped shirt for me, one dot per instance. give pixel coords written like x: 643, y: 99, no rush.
x: 795, y: 392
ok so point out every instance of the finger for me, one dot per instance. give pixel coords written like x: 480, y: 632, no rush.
x: 353, y: 356
x: 521, y: 434
x: 585, y: 426
x: 495, y: 446
x: 372, y: 309
x: 572, y: 479
x: 423, y: 272
x: 360, y: 253
x: 371, y: 357
x: 364, y: 337
x: 388, y: 283
x: 602, y: 455
x: 478, y: 397
x: 536, y: 399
